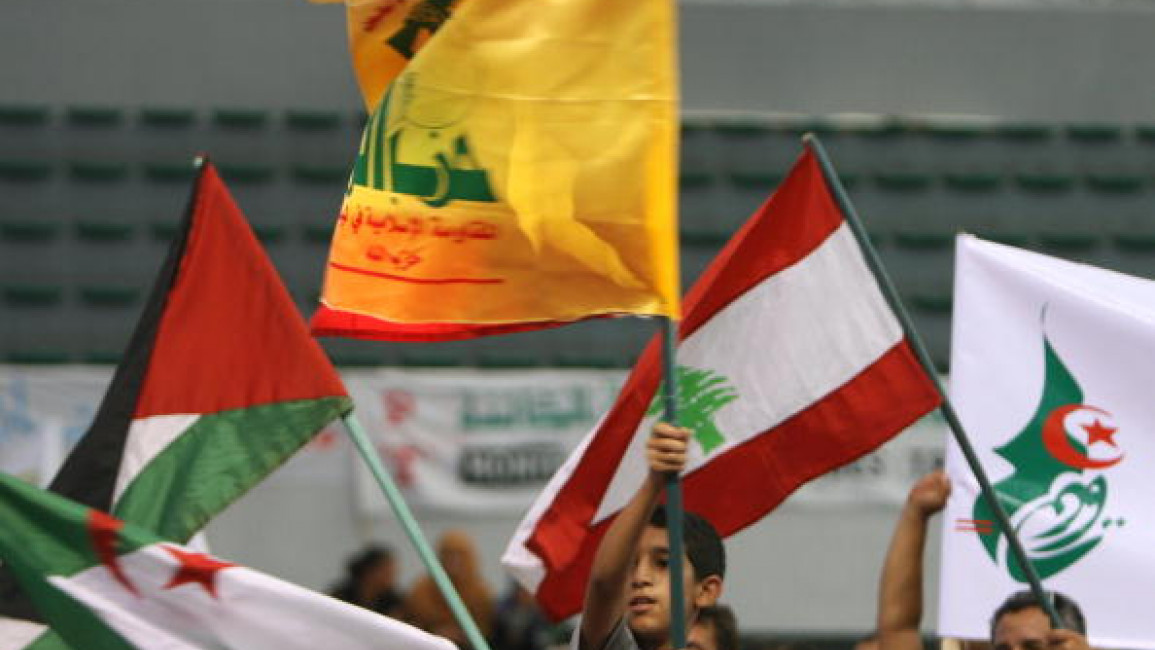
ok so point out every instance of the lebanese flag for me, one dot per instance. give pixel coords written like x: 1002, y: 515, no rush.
x: 107, y: 585
x: 220, y: 384
x: 790, y: 364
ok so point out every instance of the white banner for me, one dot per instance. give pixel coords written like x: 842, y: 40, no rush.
x: 459, y: 440
x: 1052, y: 380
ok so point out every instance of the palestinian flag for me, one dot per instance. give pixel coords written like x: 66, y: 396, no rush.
x: 220, y: 384
x: 105, y: 585
x: 790, y: 364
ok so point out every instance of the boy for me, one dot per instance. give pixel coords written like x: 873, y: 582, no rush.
x: 627, y: 603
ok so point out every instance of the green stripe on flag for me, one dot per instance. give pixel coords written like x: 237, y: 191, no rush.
x: 218, y: 459
x: 44, y: 535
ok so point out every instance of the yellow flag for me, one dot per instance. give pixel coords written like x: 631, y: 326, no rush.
x: 520, y: 172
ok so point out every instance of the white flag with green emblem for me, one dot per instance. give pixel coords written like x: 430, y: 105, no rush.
x: 105, y: 585
x: 1051, y: 380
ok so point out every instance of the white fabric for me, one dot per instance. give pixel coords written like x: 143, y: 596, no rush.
x: 1101, y: 325
x: 251, y: 611
x: 147, y: 437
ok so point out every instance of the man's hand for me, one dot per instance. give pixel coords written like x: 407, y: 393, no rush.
x: 666, y: 448
x: 1066, y: 640
x: 929, y: 494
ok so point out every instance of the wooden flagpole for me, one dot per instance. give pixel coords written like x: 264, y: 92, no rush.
x: 674, y: 508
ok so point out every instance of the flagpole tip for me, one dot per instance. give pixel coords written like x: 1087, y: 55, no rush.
x: 199, y: 162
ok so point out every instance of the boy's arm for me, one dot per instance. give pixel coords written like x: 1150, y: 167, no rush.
x: 608, y: 591
x: 900, y: 593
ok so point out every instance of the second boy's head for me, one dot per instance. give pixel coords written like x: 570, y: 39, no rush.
x: 704, y: 566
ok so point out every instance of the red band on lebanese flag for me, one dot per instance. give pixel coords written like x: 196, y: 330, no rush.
x: 772, y: 465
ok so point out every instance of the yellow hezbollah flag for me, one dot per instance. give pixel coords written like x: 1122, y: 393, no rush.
x: 519, y: 173
x: 385, y: 34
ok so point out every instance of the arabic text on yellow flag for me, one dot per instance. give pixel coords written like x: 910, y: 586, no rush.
x: 520, y: 172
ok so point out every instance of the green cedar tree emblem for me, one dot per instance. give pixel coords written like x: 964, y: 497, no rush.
x: 1054, y: 498
x: 701, y: 394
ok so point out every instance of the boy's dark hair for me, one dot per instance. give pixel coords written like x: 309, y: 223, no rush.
x: 1069, y: 613
x: 725, y: 625
x: 366, y: 559
x: 703, y: 544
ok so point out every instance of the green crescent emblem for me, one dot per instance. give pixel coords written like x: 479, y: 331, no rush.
x: 1055, y: 505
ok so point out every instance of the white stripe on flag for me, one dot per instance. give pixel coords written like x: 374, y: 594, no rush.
x: 784, y: 345
x: 147, y: 437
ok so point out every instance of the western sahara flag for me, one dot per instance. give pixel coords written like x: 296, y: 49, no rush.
x: 220, y: 384
x: 1051, y: 375
x: 790, y: 364
x: 105, y: 585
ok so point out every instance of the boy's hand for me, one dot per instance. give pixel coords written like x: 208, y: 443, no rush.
x: 666, y: 448
x: 929, y: 494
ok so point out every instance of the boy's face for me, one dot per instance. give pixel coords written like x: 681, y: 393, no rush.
x: 648, y: 607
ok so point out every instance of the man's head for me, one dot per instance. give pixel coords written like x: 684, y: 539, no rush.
x: 1021, y: 623
x: 715, y: 629
x: 648, y: 608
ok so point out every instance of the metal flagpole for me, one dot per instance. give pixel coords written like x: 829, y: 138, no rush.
x: 413, y: 530
x: 673, y: 488
x: 947, y: 409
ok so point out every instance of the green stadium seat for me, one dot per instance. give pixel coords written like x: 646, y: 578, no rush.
x: 571, y: 360
x: 240, y: 118
x: 164, y: 229
x: 168, y: 118
x: 1023, y: 132
x: 109, y: 296
x: 695, y: 180
x: 90, y: 171
x: 902, y: 181
x: 102, y: 357
x: 300, y: 120
x: 932, y: 302
x: 24, y: 171
x: 1045, y: 182
x: 31, y: 295
x: 318, y: 234
x: 246, y: 174
x: 507, y: 360
x: 429, y: 359
x: 973, y: 181
x: 703, y: 238
x: 924, y: 239
x: 753, y: 180
x: 1115, y: 183
x: 94, y: 116
x: 29, y: 231
x: 320, y: 174
x: 1134, y: 242
x: 956, y: 131
x: 356, y: 360
x: 169, y: 172
x: 1068, y: 242
x: 104, y: 230
x: 23, y: 115
x: 1094, y: 132
x: 269, y: 233
x: 38, y: 357
x: 1145, y: 133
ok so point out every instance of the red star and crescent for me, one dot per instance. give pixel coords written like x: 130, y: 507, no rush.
x: 1098, y: 432
x: 104, y: 530
x: 1058, y: 443
x: 196, y: 568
